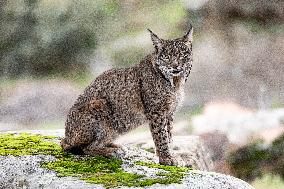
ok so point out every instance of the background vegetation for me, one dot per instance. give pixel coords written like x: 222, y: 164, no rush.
x: 236, y: 42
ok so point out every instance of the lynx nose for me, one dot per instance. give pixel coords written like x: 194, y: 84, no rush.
x: 175, y: 65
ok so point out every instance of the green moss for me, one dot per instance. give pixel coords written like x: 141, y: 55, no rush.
x: 164, y: 167
x: 25, y: 144
x: 171, y: 174
x: 99, y: 170
x: 108, y: 172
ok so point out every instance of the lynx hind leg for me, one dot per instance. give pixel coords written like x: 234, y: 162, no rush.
x: 84, y: 125
x: 107, y: 150
x: 102, y: 143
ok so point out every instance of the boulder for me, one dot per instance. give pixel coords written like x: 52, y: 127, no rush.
x: 190, y: 149
x: 27, y: 170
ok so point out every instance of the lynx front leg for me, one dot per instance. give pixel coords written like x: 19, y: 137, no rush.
x: 158, y: 126
x: 170, y: 128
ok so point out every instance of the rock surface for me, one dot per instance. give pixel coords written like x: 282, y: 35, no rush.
x: 26, y: 172
x: 191, y: 150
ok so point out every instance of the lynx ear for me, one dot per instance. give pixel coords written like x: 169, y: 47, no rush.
x: 188, y: 36
x: 157, y: 42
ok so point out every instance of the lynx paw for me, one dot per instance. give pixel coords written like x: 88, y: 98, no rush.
x: 168, y: 161
x: 65, y: 145
x: 173, y: 161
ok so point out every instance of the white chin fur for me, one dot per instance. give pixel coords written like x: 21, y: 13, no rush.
x: 176, y: 74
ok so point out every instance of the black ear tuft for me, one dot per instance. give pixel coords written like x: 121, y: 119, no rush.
x: 157, y: 42
x: 189, y: 35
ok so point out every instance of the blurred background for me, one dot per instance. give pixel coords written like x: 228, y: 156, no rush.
x: 51, y: 50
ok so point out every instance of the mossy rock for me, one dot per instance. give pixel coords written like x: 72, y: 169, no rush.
x: 37, y: 161
x: 99, y: 170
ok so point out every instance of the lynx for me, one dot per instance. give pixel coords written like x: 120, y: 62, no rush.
x: 120, y: 100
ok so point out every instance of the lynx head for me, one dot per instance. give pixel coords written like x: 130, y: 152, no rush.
x: 173, y: 58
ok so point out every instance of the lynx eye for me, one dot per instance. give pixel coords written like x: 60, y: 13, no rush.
x: 184, y: 60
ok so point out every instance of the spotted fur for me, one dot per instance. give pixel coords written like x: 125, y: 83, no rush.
x: 120, y: 100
